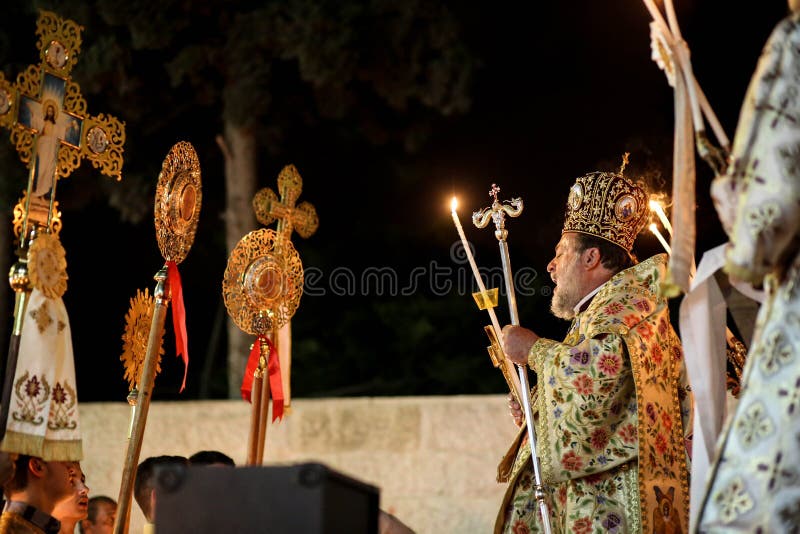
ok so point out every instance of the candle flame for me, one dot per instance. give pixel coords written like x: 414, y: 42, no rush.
x: 453, y: 204
x: 657, y: 207
x: 654, y: 230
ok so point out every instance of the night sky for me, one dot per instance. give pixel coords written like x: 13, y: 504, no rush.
x: 562, y: 88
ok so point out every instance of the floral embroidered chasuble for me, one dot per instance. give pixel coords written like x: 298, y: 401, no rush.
x: 607, y: 392
x: 756, y: 483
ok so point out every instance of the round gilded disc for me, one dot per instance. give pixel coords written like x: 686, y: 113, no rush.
x: 263, y: 279
x: 47, y: 265
x: 179, y: 195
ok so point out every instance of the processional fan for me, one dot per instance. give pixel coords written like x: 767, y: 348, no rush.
x: 177, y: 211
x: 262, y: 286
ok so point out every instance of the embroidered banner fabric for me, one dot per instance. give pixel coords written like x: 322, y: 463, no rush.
x: 754, y: 487
x: 43, y: 412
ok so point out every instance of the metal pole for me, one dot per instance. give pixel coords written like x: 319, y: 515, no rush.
x: 146, y: 381
x: 20, y: 281
x: 497, y: 213
x: 539, y: 493
x: 264, y: 420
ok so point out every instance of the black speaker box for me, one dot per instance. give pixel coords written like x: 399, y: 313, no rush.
x: 298, y: 499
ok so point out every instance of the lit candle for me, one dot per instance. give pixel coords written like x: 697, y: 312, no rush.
x: 654, y: 229
x: 478, y: 279
x: 655, y: 206
x: 467, y: 250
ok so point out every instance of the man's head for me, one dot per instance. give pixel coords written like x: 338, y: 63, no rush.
x: 145, y: 485
x: 42, y: 484
x: 605, y: 212
x: 101, y: 517
x: 76, y: 506
x: 581, y: 264
x: 215, y: 458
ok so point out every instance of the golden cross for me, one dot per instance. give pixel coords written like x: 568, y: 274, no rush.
x: 47, y: 116
x: 302, y: 218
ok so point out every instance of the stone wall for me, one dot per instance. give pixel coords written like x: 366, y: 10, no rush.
x: 434, y: 458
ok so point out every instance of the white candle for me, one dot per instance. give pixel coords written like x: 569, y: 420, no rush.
x: 658, y: 18
x: 661, y: 239
x: 673, y: 19
x: 656, y: 207
x: 478, y: 279
x: 467, y: 250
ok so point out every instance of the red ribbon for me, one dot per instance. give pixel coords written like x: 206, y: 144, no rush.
x: 275, y: 384
x: 178, y: 317
x: 274, y: 371
x: 252, y: 364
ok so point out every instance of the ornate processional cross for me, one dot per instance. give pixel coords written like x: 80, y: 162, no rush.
x: 53, y: 133
x: 49, y: 125
x: 268, y: 208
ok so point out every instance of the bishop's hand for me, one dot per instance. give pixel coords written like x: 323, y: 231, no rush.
x: 515, y: 409
x: 517, y: 343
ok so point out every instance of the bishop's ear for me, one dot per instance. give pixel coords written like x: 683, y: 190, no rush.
x: 591, y: 257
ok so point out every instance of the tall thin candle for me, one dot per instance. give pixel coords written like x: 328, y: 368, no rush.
x: 471, y: 259
x: 654, y: 229
x: 656, y: 207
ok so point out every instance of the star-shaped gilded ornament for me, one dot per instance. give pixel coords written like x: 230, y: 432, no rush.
x: 134, y: 339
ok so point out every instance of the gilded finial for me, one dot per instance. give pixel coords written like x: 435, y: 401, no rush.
x: 493, y: 191
x: 624, y: 162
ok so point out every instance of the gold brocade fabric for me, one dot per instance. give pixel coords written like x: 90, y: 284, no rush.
x: 755, y: 483
x: 610, y: 422
x: 11, y: 523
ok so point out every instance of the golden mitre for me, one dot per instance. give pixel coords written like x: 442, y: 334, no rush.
x: 607, y: 205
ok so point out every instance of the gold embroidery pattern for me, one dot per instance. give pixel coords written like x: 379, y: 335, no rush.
x: 754, y: 425
x: 774, y: 353
x: 539, y: 351
x: 607, y: 205
x: 32, y: 395
x: 733, y: 500
x: 762, y: 218
x: 628, y: 305
x: 62, y: 412
x: 42, y: 317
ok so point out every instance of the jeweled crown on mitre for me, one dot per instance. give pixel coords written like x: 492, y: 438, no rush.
x: 607, y: 205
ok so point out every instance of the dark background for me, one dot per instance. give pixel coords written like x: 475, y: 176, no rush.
x: 554, y: 90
